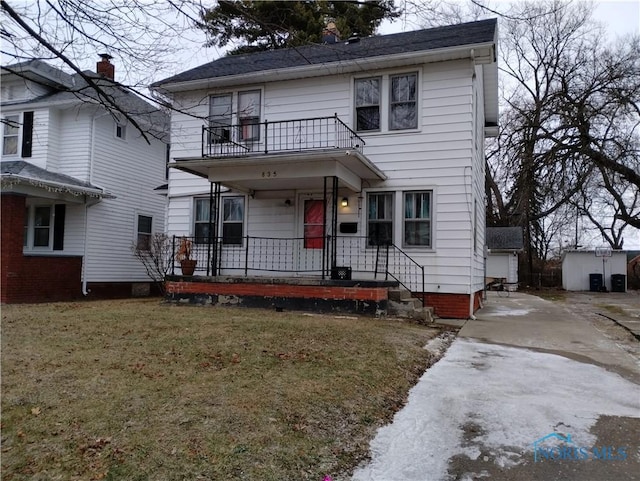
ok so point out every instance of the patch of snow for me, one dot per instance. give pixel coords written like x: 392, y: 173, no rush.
x: 514, y: 395
x: 439, y: 344
x: 502, y: 311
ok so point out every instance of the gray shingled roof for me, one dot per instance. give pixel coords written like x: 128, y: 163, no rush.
x: 20, y: 172
x: 40, y: 71
x: 420, y: 40
x: 504, y: 238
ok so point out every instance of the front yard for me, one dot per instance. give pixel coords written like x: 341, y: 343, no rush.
x: 141, y: 390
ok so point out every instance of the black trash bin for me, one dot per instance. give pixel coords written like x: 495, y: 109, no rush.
x: 595, y: 282
x: 618, y: 283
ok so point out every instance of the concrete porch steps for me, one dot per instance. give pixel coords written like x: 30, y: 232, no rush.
x: 403, y: 304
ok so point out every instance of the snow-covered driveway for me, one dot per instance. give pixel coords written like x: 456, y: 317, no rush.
x: 477, y: 412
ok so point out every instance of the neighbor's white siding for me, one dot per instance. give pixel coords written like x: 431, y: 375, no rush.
x: 75, y: 142
x: 129, y: 169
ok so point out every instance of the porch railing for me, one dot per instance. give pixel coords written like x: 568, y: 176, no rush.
x: 280, y: 136
x: 303, y: 256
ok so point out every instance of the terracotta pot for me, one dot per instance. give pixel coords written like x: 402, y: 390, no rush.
x: 188, y: 266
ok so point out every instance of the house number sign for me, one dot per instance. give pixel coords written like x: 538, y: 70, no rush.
x: 269, y: 173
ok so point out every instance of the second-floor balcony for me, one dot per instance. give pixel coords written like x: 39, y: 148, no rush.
x: 262, y: 138
x: 285, y: 155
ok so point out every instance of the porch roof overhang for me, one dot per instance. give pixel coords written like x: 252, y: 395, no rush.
x: 286, y: 171
x: 51, y: 190
x: 23, y: 178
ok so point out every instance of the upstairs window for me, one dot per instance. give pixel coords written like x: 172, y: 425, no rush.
x: 249, y: 115
x: 11, y: 130
x: 403, y: 104
x: 121, y: 131
x: 380, y: 219
x: 367, y: 104
x: 220, y: 111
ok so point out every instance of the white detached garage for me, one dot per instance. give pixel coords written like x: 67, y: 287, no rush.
x: 583, y: 269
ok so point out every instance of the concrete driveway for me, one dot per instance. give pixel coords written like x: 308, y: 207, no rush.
x: 530, y: 390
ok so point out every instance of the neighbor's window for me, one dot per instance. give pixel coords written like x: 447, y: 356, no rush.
x: 11, y: 130
x: 144, y: 232
x: 403, y: 105
x: 417, y: 219
x: 367, y: 104
x: 249, y: 115
x: 220, y: 111
x: 201, y: 221
x: 233, y: 220
x: 121, y: 131
x: 380, y: 218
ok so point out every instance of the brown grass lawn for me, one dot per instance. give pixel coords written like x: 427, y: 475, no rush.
x: 141, y: 390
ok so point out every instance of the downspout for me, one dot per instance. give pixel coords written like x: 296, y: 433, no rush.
x: 95, y: 117
x: 471, y: 239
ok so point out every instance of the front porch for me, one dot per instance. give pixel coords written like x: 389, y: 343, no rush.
x: 321, y: 274
x: 283, y: 293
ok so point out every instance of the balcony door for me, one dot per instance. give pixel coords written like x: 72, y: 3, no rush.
x: 311, y: 245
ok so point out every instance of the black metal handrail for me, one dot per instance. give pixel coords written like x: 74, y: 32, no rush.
x: 279, y: 136
x: 249, y: 254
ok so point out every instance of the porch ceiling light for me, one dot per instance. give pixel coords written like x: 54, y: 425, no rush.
x: 344, y: 202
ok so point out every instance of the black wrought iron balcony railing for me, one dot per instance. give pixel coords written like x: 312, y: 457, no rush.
x: 300, y: 256
x: 299, y: 135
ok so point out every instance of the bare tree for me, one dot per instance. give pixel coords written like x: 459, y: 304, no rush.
x: 156, y: 256
x: 569, y: 126
x: 141, y: 33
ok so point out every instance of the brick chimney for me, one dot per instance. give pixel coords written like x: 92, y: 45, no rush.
x: 104, y: 67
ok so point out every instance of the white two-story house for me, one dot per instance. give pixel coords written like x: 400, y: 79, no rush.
x: 77, y: 185
x: 303, y: 177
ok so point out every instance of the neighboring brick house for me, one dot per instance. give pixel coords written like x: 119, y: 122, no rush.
x: 324, y: 169
x: 77, y: 185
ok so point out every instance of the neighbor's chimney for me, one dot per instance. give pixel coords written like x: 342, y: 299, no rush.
x: 104, y: 67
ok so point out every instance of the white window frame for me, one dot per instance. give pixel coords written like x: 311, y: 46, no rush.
x: 242, y: 221
x: 138, y: 232
x: 120, y: 130
x: 222, y: 124
x: 393, y: 103
x: 391, y: 209
x: 235, y: 118
x: 367, y: 105
x: 196, y: 236
x: 7, y: 124
x: 385, y: 102
x: 249, y: 122
x: 422, y: 220
x: 30, y: 227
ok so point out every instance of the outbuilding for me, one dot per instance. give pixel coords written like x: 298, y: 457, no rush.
x: 595, y: 270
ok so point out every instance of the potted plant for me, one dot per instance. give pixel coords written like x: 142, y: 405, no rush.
x: 187, y: 264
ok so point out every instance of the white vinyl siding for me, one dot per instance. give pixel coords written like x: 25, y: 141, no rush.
x: 443, y: 156
x: 130, y: 171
